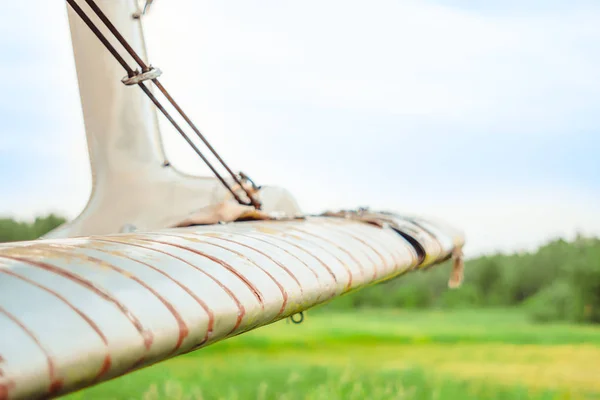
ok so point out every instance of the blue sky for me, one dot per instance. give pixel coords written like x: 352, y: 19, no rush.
x: 482, y: 114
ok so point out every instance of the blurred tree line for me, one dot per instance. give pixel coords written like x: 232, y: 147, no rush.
x: 12, y: 230
x: 558, y: 282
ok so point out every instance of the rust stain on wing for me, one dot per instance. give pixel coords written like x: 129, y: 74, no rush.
x: 228, y: 267
x: 325, y: 250
x: 107, y: 359
x: 202, y: 304
x: 183, y: 329
x: 320, y: 261
x: 283, y: 267
x: 284, y: 293
x: 241, y: 308
x: 145, y: 333
x: 331, y: 242
x: 56, y: 383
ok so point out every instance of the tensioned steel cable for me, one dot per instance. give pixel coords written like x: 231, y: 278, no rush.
x: 146, y: 70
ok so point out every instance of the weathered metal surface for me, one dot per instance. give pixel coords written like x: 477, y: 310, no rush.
x: 75, y: 312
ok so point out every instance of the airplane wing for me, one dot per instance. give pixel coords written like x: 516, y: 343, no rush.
x: 78, y: 311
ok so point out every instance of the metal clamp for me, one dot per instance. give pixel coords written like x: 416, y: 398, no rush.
x: 140, y: 77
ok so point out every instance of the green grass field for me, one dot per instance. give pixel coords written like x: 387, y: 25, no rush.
x: 381, y: 355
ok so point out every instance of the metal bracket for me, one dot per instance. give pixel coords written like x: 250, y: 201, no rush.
x: 145, y: 10
x: 128, y: 228
x: 140, y: 77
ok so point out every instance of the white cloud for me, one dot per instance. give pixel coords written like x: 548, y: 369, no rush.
x: 407, y: 58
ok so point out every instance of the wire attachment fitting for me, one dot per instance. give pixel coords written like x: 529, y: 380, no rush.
x: 140, y: 77
x: 144, y: 11
x: 297, y: 318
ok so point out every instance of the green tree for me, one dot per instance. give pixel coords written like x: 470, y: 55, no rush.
x: 12, y: 230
